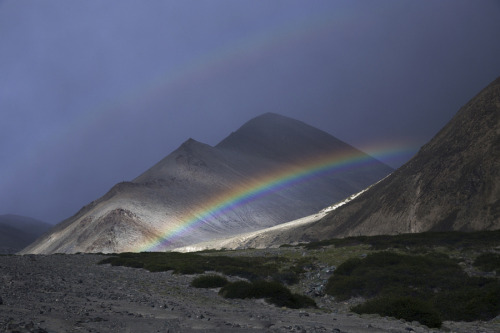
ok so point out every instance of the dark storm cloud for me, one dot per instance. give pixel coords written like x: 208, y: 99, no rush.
x: 93, y: 92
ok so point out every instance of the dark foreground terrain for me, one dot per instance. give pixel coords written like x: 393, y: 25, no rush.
x: 73, y: 293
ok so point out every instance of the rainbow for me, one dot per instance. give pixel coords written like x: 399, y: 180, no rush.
x: 266, y: 184
x: 179, y: 76
x: 234, y: 54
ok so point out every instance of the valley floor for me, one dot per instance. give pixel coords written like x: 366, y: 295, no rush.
x: 71, y: 293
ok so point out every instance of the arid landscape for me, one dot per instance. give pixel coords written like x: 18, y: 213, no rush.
x: 437, y: 276
x: 73, y: 293
x: 236, y: 166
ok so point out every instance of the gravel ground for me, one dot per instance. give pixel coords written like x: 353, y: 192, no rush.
x: 71, y: 293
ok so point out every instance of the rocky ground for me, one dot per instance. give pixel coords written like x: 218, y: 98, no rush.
x: 71, y: 293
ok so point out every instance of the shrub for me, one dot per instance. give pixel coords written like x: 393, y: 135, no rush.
x: 347, y: 267
x: 407, y: 308
x: 273, y: 292
x: 488, y: 262
x: 424, y: 240
x: 304, y: 264
x: 209, y: 281
x: 298, y: 301
x: 252, y: 268
x: 266, y: 289
x: 432, y: 279
x: 238, y: 289
x: 478, y: 299
x: 287, y: 277
x: 345, y: 287
x: 135, y: 264
x: 383, y: 271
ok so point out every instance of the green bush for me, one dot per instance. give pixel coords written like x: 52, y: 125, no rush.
x: 477, y: 299
x: 135, y: 264
x: 238, y: 289
x: 433, y: 279
x: 407, y: 308
x: 488, y: 262
x: 209, y: 281
x: 347, y: 267
x: 383, y: 271
x: 288, y: 277
x: 266, y: 289
x: 424, y: 240
x: 345, y: 287
x: 273, y: 292
x: 298, y: 301
x: 251, y: 268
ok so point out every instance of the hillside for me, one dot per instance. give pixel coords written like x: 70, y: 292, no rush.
x: 453, y: 183
x: 272, y: 170
x: 17, y: 232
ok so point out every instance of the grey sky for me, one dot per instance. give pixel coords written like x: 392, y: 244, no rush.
x: 95, y: 92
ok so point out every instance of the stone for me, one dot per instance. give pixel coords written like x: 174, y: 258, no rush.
x: 114, y: 311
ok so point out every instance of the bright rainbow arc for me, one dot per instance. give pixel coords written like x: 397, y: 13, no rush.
x: 265, y: 185
x: 207, y: 65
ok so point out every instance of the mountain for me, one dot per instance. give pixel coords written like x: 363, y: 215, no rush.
x: 278, y: 138
x: 452, y: 183
x: 268, y: 237
x: 17, y: 232
x: 272, y: 170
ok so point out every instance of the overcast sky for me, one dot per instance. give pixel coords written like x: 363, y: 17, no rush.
x: 95, y: 92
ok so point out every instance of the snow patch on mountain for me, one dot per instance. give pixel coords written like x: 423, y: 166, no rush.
x: 258, y: 239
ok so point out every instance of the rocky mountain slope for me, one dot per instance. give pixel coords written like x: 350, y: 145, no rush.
x: 255, y: 178
x: 453, y: 183
x: 17, y: 232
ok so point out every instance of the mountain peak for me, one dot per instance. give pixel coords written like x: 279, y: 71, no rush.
x: 191, y: 153
x: 271, y: 135
x: 212, y: 184
x: 451, y: 184
x: 191, y: 145
x: 190, y: 142
x: 272, y: 122
x: 271, y: 116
